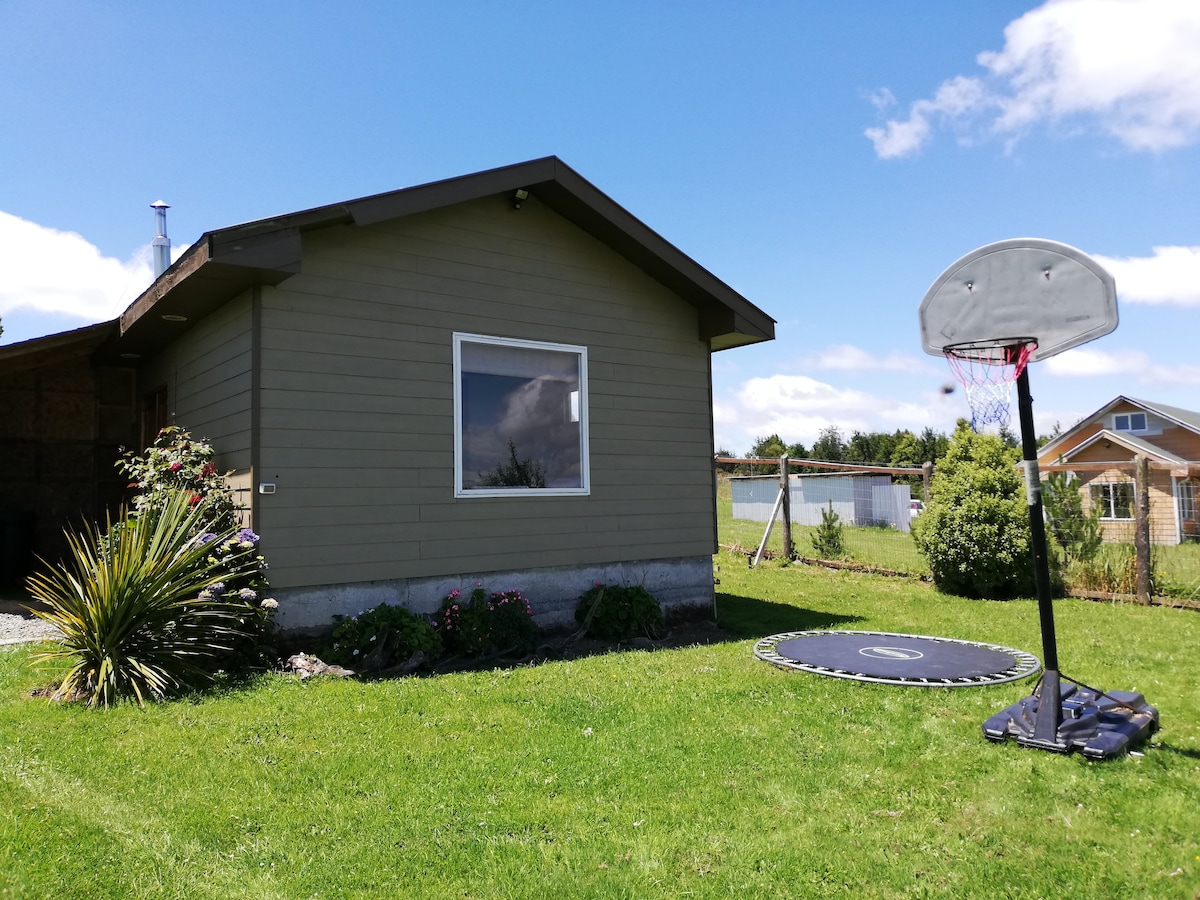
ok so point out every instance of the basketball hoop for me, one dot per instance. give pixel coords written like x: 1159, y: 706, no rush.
x: 987, y: 370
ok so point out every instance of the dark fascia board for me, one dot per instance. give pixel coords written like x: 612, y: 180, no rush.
x: 227, y: 261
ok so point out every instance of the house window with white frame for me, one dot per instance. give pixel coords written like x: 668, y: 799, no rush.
x: 1187, y: 500
x: 1129, y: 422
x: 1114, y: 499
x: 520, y: 417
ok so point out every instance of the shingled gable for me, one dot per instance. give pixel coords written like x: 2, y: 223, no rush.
x: 1090, y: 430
x: 224, y: 262
x: 1100, y: 451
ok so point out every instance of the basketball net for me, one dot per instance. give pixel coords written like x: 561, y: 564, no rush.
x: 987, y: 374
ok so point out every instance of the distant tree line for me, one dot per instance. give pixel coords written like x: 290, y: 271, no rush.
x: 901, y: 448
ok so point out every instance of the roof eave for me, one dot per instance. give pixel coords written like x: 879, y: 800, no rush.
x: 229, y: 260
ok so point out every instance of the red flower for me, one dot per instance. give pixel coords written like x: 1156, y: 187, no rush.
x: 196, y: 498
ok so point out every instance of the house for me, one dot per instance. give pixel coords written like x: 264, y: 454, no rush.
x: 503, y: 377
x: 1101, y: 449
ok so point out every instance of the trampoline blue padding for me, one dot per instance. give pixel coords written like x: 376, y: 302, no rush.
x: 901, y: 659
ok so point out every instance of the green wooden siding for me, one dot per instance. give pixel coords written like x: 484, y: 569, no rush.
x: 357, y: 424
x: 207, y: 372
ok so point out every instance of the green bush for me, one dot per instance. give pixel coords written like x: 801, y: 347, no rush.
x: 178, y: 462
x: 1078, y: 534
x: 381, y: 637
x: 827, y: 541
x: 143, y: 604
x: 484, y: 624
x: 1112, y: 569
x: 616, y: 613
x: 975, y: 528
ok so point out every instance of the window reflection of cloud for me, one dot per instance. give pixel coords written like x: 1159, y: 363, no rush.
x: 536, y: 418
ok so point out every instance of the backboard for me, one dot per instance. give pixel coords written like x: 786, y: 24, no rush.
x: 1016, y: 291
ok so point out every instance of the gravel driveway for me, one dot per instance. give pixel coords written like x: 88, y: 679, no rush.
x: 19, y: 626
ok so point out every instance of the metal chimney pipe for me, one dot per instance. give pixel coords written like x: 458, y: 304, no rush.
x: 161, y: 243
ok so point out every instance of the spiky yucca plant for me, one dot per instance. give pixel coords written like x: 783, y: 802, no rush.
x: 139, y: 603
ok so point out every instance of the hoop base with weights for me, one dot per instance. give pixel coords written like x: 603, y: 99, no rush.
x: 1060, y: 298
x: 1061, y: 715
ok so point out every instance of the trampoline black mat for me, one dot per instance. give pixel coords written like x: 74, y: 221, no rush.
x: 904, y: 659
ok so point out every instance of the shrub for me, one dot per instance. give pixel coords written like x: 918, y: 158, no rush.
x: 1078, y: 534
x: 617, y: 613
x: 975, y: 528
x: 827, y: 540
x: 486, y: 624
x: 143, y: 605
x: 178, y: 462
x: 1112, y: 569
x: 382, y: 636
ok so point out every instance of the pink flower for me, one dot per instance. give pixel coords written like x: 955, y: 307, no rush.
x: 176, y: 466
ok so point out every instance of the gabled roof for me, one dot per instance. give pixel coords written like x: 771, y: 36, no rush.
x: 224, y: 262
x: 1182, y: 417
x: 1135, y: 445
x: 54, y: 349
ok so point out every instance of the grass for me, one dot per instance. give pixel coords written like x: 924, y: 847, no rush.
x: 694, y: 772
x: 884, y: 548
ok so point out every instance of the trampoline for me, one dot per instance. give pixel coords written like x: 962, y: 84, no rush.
x: 903, y: 659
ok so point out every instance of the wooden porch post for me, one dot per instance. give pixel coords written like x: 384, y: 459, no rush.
x: 789, y: 551
x: 1141, y: 537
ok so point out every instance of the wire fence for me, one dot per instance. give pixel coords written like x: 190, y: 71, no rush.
x: 840, y: 515
x: 861, y: 517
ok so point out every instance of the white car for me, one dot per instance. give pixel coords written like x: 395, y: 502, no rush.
x: 915, y: 507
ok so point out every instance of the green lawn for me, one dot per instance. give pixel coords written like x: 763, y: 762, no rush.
x: 692, y: 772
x: 883, y: 548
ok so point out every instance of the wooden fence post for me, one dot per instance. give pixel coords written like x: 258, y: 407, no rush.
x: 789, y: 551
x: 1141, y: 537
x: 927, y: 480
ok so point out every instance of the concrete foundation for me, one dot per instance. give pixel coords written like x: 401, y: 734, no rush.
x: 552, y: 593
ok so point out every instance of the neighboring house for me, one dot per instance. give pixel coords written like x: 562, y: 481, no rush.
x: 503, y: 378
x: 1101, y: 449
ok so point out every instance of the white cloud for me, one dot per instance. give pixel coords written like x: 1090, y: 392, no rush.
x: 797, y: 408
x: 54, y: 271
x: 1083, y: 362
x: 848, y: 358
x: 1130, y: 66
x: 1171, y: 275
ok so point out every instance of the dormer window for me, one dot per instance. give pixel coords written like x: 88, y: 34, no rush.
x: 1129, y: 422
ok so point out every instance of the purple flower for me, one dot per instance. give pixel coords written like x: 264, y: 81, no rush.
x: 246, y: 535
x: 247, y: 594
x: 206, y: 538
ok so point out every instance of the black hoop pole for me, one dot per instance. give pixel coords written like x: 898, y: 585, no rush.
x: 1050, y: 702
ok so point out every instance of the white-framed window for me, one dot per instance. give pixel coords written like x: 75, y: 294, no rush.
x: 520, y: 417
x: 1187, y: 499
x: 1129, y: 422
x: 1115, y: 499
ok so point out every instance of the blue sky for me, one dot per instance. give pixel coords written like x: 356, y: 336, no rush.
x: 826, y: 160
